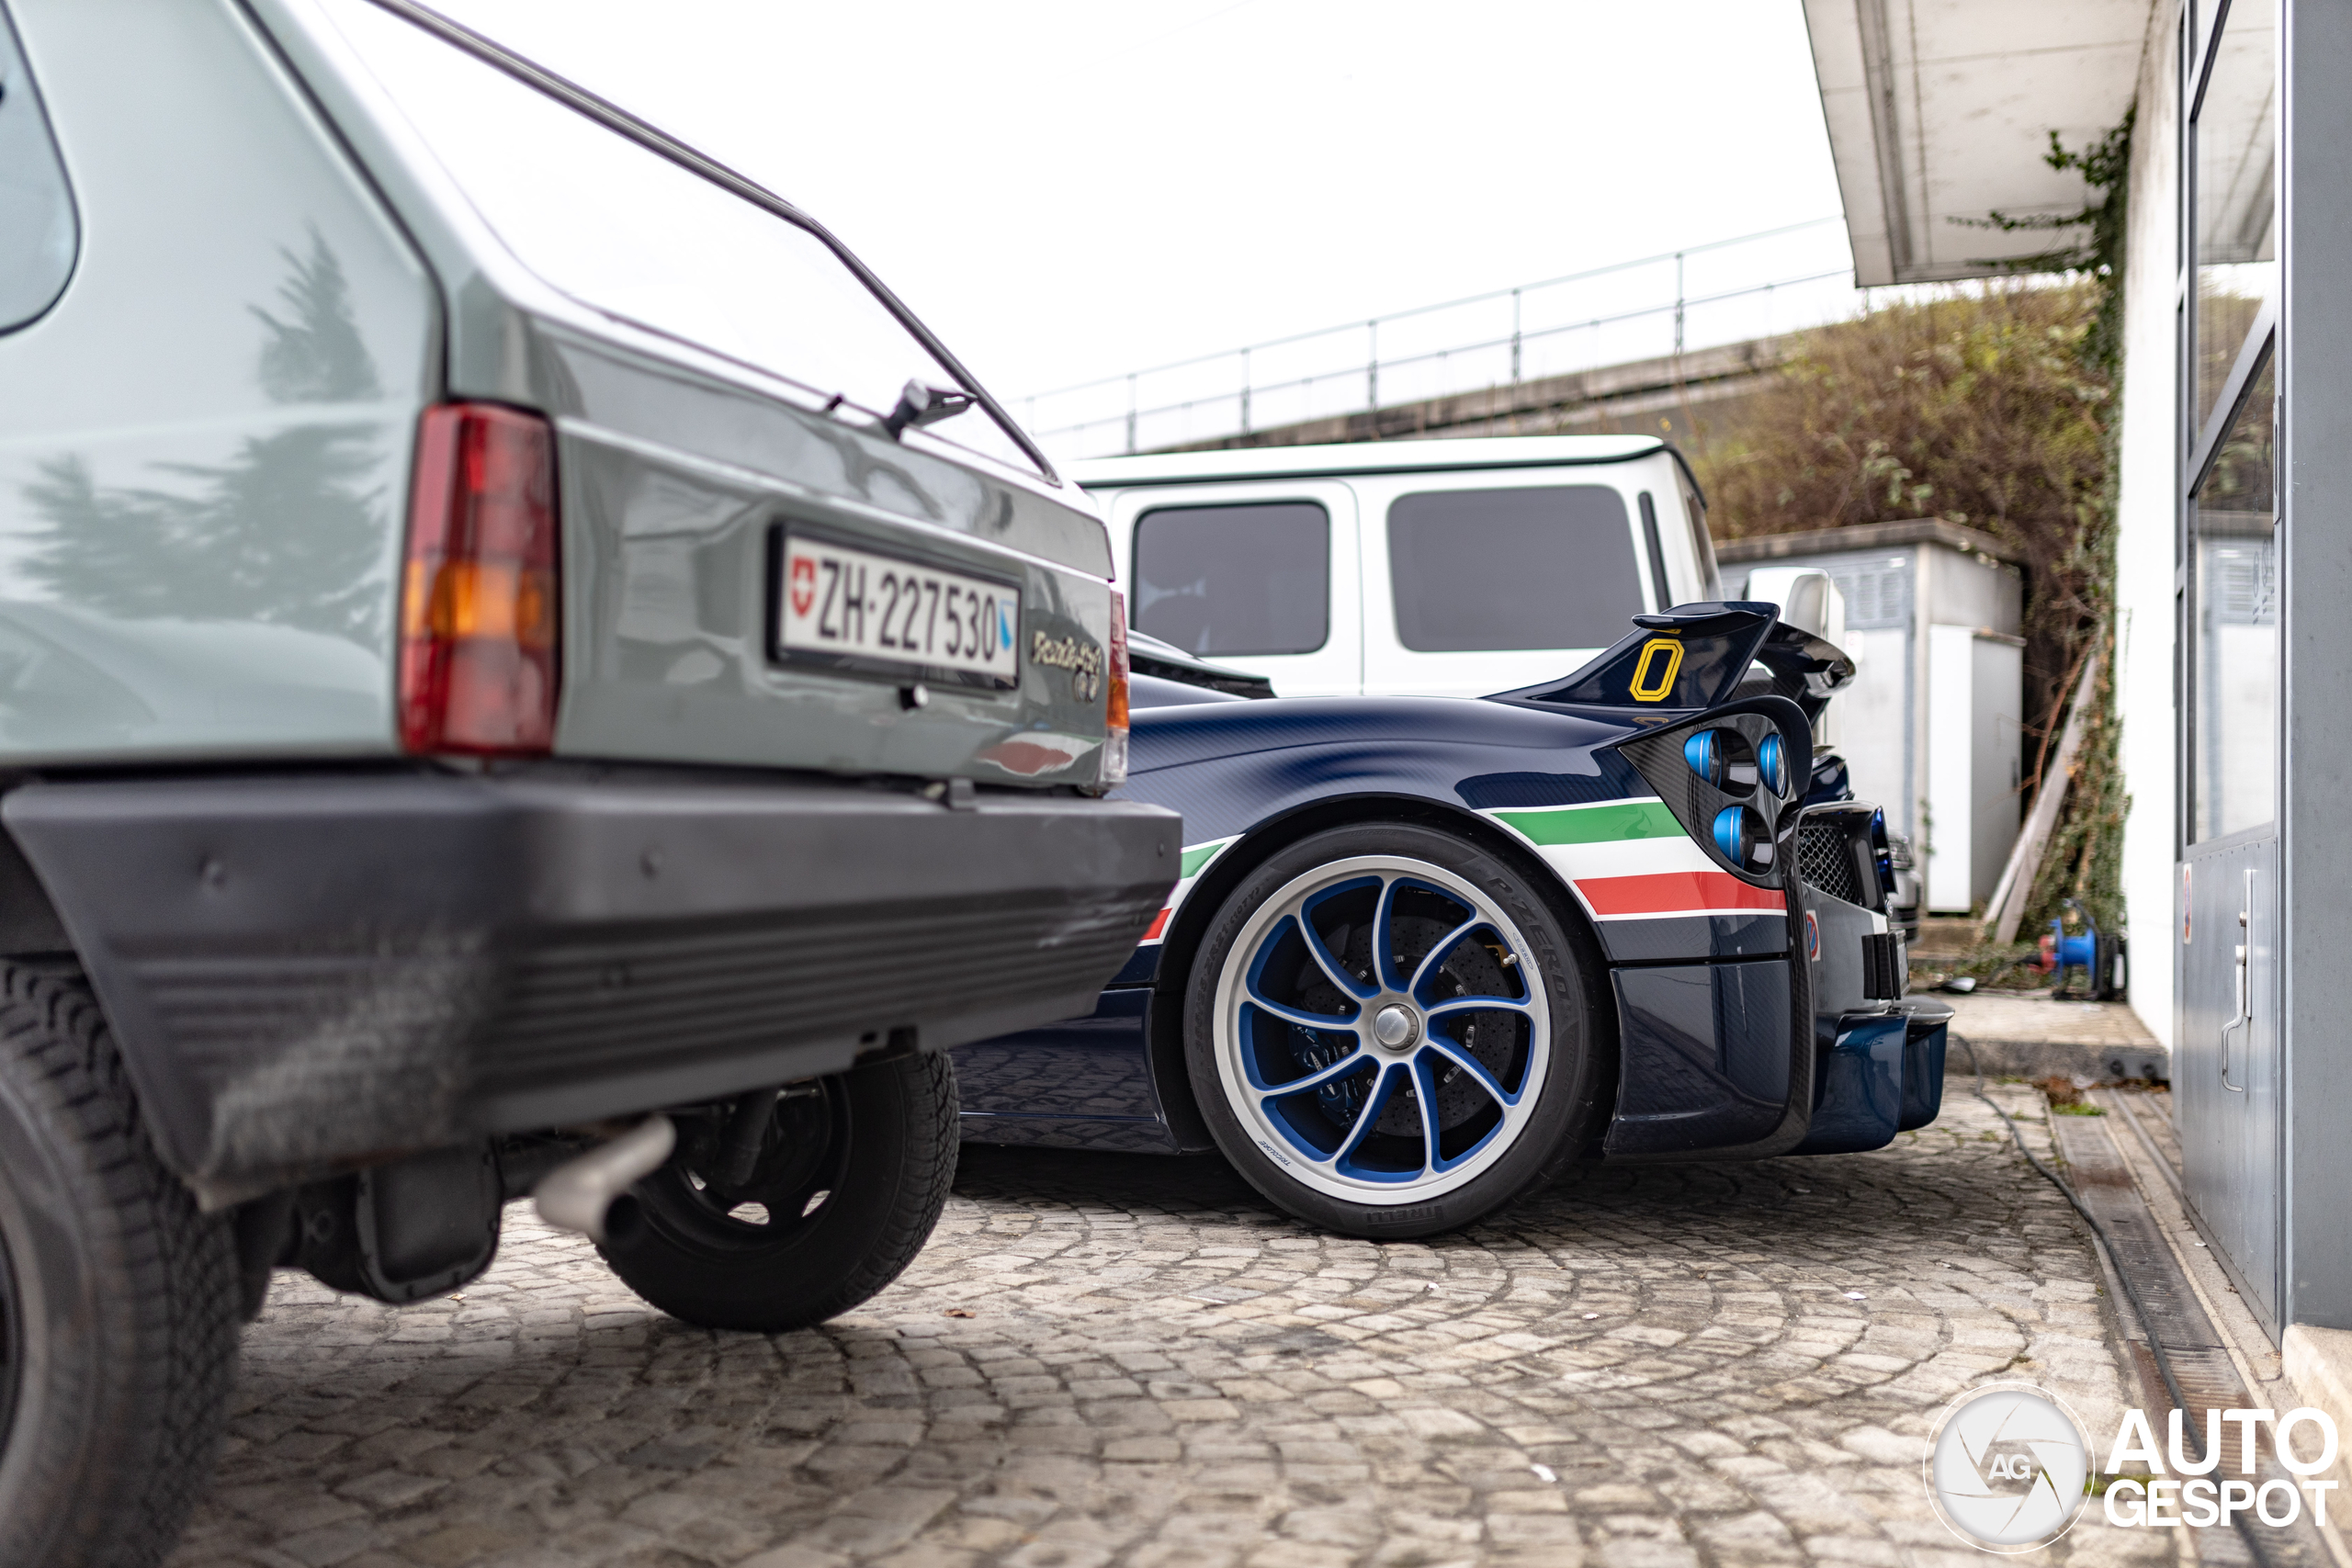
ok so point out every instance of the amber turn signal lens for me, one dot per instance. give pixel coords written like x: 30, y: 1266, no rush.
x: 480, y: 593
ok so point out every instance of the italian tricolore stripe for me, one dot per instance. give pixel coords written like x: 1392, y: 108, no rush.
x: 1630, y: 860
x: 1627, y: 859
x: 1188, y: 870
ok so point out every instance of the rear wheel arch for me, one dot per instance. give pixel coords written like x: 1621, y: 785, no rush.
x: 34, y: 933
x: 1164, y: 1044
x: 29, y: 924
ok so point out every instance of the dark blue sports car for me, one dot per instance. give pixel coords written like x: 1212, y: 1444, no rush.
x: 1426, y: 950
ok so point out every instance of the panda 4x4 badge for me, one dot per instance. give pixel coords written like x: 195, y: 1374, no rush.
x: 1082, y: 657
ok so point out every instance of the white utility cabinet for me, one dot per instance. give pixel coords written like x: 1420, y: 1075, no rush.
x: 1932, y: 728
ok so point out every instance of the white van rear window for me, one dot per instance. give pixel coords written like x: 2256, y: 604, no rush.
x: 1490, y: 571
x: 1224, y: 580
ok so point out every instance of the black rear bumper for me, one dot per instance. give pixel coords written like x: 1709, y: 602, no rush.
x: 308, y: 971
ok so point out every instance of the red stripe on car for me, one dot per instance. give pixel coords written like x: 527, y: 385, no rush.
x: 1675, y: 893
x: 1158, y: 924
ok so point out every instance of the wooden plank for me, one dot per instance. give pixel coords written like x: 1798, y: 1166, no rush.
x: 2005, y: 910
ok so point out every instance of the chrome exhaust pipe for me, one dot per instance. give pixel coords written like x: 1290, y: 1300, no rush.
x: 579, y: 1194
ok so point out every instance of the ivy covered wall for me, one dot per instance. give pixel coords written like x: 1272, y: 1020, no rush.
x: 1992, y: 405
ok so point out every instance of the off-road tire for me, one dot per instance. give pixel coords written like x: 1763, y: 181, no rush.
x: 1570, y: 1110
x: 885, y: 1176
x: 122, y: 1301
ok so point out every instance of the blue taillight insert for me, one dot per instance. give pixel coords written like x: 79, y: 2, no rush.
x: 1704, y: 752
x: 1731, y: 834
x: 1742, y: 839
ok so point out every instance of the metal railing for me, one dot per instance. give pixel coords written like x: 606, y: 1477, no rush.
x: 1616, y: 313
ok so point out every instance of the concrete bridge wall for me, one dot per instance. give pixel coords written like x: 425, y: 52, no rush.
x: 1684, y: 398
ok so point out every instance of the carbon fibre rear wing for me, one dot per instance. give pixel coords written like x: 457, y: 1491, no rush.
x: 1726, y: 696
x: 1695, y: 656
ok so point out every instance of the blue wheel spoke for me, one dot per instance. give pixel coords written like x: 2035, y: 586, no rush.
x: 1351, y: 1064
x: 1457, y: 1056
x: 1323, y: 960
x: 1338, y: 1024
x: 1436, y: 954
x: 1375, y: 1105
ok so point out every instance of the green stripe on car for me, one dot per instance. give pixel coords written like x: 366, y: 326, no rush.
x: 1590, y: 824
x: 1197, y: 856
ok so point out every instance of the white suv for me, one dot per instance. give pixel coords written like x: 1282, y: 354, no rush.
x: 1449, y: 567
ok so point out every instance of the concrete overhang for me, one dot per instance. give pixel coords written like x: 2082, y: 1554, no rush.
x: 1942, y: 109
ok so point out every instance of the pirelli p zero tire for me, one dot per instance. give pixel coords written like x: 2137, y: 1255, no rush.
x: 120, y: 1303
x: 1390, y: 1032
x: 849, y: 1177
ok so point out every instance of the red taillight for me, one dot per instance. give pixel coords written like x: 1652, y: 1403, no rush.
x: 479, y: 597
x: 1114, y: 722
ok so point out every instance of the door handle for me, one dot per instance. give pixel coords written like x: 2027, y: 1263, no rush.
x: 2246, y: 1011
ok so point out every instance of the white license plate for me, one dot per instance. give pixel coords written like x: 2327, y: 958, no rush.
x: 856, y: 605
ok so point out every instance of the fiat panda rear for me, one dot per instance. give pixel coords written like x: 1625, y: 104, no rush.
x: 525, y: 671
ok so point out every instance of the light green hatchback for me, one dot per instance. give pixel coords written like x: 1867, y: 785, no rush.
x: 523, y: 669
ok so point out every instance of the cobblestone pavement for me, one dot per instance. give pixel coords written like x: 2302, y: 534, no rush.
x: 1118, y: 1359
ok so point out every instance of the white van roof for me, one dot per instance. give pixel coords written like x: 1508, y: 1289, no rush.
x: 1359, y: 458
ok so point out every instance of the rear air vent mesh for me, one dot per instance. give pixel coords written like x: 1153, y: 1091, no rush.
x: 1827, y: 861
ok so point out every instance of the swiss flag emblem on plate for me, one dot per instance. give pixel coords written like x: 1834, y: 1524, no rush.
x: 804, y: 585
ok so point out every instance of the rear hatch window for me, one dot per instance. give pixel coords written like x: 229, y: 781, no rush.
x: 631, y: 235
x: 1494, y: 570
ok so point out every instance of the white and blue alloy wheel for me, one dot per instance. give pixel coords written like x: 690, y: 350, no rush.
x: 1382, y: 1030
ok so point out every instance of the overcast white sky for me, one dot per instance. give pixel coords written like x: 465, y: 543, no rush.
x: 1073, y: 188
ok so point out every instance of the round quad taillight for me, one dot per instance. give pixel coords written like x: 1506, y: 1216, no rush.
x: 1723, y: 758
x: 1741, y: 838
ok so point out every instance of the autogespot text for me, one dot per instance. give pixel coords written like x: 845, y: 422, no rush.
x: 2181, y: 1489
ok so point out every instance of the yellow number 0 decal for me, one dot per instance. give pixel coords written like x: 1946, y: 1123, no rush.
x: 1653, y: 677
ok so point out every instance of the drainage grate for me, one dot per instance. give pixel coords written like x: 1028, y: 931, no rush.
x: 2200, y: 1362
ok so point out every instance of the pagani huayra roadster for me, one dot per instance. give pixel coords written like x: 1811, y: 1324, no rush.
x: 1427, y: 950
